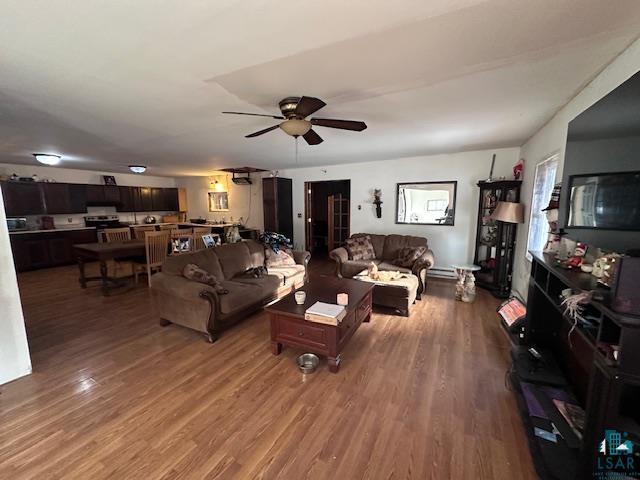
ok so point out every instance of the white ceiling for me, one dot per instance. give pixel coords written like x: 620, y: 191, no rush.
x: 107, y: 84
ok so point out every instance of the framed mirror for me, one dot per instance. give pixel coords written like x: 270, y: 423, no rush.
x: 426, y: 203
x: 218, y: 201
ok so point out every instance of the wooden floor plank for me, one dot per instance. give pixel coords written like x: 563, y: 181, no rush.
x: 114, y: 395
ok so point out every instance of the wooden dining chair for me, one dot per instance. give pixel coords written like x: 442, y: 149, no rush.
x: 181, y: 243
x: 119, y: 268
x: 117, y: 234
x: 156, y: 248
x: 138, y: 232
x: 198, y: 232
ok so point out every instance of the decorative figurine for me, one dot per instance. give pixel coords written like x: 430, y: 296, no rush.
x: 554, y: 238
x: 578, y: 256
x: 518, y: 169
x: 377, y: 194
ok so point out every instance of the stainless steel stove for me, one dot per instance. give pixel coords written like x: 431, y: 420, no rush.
x: 103, y: 221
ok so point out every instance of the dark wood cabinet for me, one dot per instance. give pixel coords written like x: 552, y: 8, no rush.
x: 47, y: 249
x: 95, y: 195
x: 22, y: 198
x: 142, y: 199
x: 278, y: 205
x: 40, y: 198
x: 495, y: 240
x: 126, y: 203
x: 158, y: 200
x: 171, y: 199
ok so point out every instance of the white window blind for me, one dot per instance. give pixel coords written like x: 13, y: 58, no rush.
x: 542, y: 187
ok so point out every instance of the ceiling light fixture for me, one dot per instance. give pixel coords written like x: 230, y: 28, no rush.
x: 295, y: 127
x: 137, y: 168
x: 47, y: 158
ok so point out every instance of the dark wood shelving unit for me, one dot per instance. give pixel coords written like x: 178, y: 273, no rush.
x: 606, y: 386
x: 495, y: 242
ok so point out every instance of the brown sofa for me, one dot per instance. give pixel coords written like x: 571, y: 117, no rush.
x: 386, y: 249
x: 197, y: 305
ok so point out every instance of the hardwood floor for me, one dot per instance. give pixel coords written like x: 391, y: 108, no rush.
x: 114, y: 395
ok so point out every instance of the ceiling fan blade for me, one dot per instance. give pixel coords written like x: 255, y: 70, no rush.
x: 312, y: 138
x: 308, y: 105
x: 256, y: 115
x: 341, y: 124
x: 260, y: 132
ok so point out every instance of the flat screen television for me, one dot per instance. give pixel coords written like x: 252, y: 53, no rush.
x: 609, y: 201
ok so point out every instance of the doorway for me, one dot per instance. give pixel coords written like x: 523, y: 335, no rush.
x: 327, y: 215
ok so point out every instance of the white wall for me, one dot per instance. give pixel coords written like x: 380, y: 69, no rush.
x: 244, y: 200
x: 71, y: 175
x: 552, y: 139
x: 14, y: 350
x: 451, y: 244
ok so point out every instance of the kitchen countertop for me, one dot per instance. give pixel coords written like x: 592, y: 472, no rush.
x: 51, y: 230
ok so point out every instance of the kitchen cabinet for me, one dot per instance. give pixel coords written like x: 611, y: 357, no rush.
x: 78, y: 197
x: 142, y: 199
x: 126, y: 203
x: 61, y: 198
x: 111, y: 194
x: 22, y: 198
x: 32, y: 251
x: 95, y: 195
x: 172, y: 199
x: 158, y: 199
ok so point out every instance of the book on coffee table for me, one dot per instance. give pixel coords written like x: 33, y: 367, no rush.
x: 327, y: 313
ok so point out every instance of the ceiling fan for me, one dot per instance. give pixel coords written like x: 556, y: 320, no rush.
x: 295, y: 110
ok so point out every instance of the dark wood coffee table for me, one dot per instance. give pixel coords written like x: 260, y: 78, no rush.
x: 288, y: 326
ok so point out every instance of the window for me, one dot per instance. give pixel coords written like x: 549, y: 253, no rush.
x: 542, y: 187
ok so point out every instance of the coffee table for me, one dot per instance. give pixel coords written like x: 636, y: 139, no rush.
x: 289, y: 327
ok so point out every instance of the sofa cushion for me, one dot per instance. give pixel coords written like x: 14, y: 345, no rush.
x: 285, y: 273
x: 393, y: 243
x: 407, y: 256
x: 268, y: 284
x: 282, y: 258
x: 205, y: 259
x: 234, y: 258
x: 386, y: 266
x: 376, y: 240
x: 360, y: 248
x: 241, y: 296
x: 194, y: 273
x: 256, y: 250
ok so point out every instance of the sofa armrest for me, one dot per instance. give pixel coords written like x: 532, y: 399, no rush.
x: 302, y: 257
x: 185, y: 302
x: 420, y: 267
x: 340, y: 255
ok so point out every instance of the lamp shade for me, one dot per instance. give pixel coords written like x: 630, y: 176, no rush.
x: 508, y: 212
x: 295, y: 127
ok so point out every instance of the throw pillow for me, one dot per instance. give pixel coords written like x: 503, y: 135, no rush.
x: 360, y: 248
x: 407, y: 256
x: 193, y: 272
x: 281, y: 258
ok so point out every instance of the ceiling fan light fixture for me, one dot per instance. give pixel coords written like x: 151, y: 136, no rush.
x: 295, y: 127
x: 47, y: 158
x: 137, y: 168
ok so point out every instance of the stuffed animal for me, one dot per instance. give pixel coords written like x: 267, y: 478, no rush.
x: 373, y: 271
x: 578, y: 256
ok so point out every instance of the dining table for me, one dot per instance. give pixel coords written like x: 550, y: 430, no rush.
x: 103, y: 252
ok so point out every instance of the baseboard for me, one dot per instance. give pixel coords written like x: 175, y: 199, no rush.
x: 437, y: 272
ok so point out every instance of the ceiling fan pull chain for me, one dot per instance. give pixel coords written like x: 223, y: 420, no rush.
x: 297, y: 150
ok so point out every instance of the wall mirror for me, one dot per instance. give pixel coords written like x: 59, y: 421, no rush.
x: 218, y: 201
x: 426, y: 203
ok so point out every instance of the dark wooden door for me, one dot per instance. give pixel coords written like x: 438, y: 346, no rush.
x: 339, y: 220
x: 56, y: 198
x: 278, y: 205
x: 22, y: 199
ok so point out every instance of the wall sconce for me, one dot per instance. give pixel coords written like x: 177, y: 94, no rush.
x: 217, y: 186
x: 377, y: 194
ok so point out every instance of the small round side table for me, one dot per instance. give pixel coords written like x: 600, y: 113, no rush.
x: 466, y: 284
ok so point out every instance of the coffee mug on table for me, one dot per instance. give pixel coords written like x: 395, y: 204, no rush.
x: 300, y: 297
x: 342, y: 299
